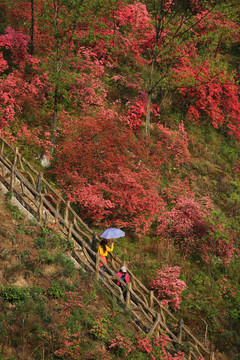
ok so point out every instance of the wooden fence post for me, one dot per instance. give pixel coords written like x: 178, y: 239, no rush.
x: 12, y: 180
x: 151, y: 299
x: 212, y: 355
x: 39, y: 183
x: 70, y: 231
x: 2, y: 147
x: 15, y: 156
x: 94, y: 246
x: 190, y: 355
x: 180, y: 324
x: 66, y: 211
x: 97, y: 266
x: 128, y: 295
x: 163, y: 316
x: 40, y: 209
x: 154, y: 326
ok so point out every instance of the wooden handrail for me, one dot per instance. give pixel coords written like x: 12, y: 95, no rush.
x: 48, y: 204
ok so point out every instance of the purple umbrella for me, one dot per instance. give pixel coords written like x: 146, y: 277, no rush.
x: 112, y: 233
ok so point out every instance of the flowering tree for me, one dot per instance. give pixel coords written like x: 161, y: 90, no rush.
x: 168, y: 287
x: 210, y: 93
x: 99, y: 168
x: 23, y: 90
x: 194, y: 229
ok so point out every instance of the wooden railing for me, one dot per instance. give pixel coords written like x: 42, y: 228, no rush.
x: 47, y: 205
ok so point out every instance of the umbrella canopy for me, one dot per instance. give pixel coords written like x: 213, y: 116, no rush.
x: 112, y: 233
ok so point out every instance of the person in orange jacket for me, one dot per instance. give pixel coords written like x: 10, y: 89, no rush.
x: 103, y: 250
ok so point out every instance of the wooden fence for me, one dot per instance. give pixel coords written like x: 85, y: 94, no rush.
x: 46, y: 204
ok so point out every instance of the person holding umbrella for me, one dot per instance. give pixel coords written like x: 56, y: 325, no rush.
x: 104, y: 249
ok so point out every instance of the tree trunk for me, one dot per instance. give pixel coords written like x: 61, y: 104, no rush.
x: 148, y: 115
x: 55, y: 120
x: 31, y: 46
x: 56, y: 92
x: 151, y: 82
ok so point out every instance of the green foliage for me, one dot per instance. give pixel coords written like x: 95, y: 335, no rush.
x: 101, y: 327
x: 41, y: 310
x: 24, y: 254
x: 5, y: 254
x: 36, y: 292
x: 20, y: 229
x: 74, y: 321
x: 33, y: 222
x: 92, y: 296
x: 13, y: 269
x: 44, y: 231
x: 213, y: 172
x: 40, y: 242
x: 54, y: 241
x: 67, y: 263
x: 3, y: 232
x: 56, y: 290
x: 9, y: 195
x: 3, y: 330
x: 65, y: 244
x: 45, y: 257
x: 12, y: 238
x: 138, y: 355
x: 14, y: 294
x: 16, y: 214
x: 230, y: 152
x: 29, y: 231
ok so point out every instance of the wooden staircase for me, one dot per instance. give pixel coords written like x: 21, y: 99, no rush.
x: 41, y: 201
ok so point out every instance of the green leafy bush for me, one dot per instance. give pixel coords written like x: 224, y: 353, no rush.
x: 56, y: 290
x: 41, y: 310
x: 45, y: 257
x: 14, y: 294
x: 67, y: 263
x: 16, y: 214
x: 40, y: 242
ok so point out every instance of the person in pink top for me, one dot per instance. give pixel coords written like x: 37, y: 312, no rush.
x: 123, y: 275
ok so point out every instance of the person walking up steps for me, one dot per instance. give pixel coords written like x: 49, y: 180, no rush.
x: 103, y: 250
x: 123, y: 275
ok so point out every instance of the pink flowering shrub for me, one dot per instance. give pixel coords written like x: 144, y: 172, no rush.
x: 98, y: 354
x: 3, y: 63
x: 16, y: 42
x: 121, y: 344
x: 168, y: 287
x: 72, y: 300
x: 101, y: 327
x: 185, y: 220
x: 215, y: 95
x: 71, y: 347
x: 237, y: 167
x: 225, y: 287
x: 172, y: 145
x: 192, y: 226
x: 155, y: 348
x: 136, y: 113
x: 144, y: 344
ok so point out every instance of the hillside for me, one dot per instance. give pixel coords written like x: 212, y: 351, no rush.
x: 130, y: 110
x: 43, y: 294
